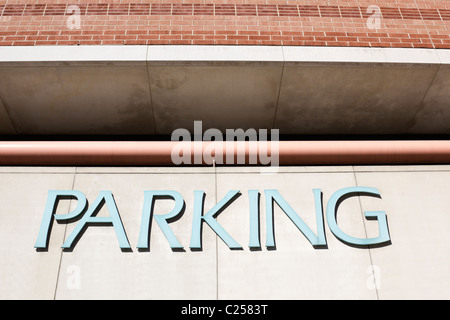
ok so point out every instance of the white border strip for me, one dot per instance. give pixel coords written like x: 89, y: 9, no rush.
x: 192, y: 53
x: 361, y: 55
x: 73, y: 53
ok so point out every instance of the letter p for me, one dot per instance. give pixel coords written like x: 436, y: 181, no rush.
x: 50, y: 208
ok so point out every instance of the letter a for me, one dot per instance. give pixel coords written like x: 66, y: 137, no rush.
x: 90, y: 218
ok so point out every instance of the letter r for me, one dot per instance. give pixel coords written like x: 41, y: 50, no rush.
x: 161, y: 219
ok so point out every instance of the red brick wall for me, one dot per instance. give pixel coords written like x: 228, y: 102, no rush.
x: 402, y: 23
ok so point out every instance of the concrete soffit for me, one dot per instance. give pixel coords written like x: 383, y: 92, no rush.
x: 77, y: 90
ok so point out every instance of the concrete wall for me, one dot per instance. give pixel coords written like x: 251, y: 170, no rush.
x: 157, y: 89
x: 415, y: 265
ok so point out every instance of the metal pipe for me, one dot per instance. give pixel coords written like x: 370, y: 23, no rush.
x: 115, y: 153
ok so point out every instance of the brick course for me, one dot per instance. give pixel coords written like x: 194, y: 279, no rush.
x: 418, y: 24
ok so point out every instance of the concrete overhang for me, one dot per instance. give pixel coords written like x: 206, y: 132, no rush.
x: 153, y: 90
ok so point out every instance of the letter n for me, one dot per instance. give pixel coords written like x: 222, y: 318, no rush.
x: 318, y: 240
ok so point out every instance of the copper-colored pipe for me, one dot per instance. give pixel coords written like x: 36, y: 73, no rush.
x: 159, y: 152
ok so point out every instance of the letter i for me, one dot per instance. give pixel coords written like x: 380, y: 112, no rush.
x: 253, y: 196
